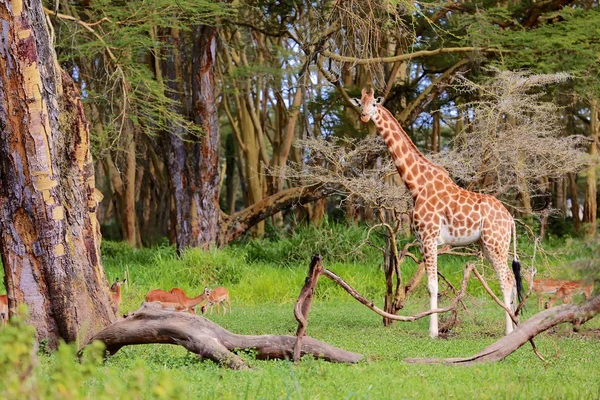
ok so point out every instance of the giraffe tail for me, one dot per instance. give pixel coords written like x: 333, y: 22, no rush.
x: 516, y: 265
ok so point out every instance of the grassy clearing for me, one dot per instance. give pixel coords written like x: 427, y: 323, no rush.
x: 264, y: 279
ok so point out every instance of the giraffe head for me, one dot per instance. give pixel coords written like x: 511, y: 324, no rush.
x: 368, y: 104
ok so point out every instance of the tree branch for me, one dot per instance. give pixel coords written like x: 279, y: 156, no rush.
x: 235, y: 225
x: 571, y: 313
x: 409, y: 56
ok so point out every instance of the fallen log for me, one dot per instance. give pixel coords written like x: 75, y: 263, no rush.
x: 570, y: 313
x: 153, y: 324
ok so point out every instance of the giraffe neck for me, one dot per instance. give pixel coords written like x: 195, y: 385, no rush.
x: 414, y: 168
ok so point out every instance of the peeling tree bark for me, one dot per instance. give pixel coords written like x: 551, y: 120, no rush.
x: 49, y: 235
x: 153, y: 324
x: 193, y: 162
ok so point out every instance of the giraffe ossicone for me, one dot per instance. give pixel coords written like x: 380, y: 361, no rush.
x: 445, y: 213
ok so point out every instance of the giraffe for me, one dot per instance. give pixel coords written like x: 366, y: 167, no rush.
x: 445, y: 213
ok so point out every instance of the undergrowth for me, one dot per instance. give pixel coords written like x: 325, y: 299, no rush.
x: 264, y: 278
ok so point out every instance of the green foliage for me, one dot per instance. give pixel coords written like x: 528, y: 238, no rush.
x: 335, y: 242
x: 569, y: 43
x: 16, y: 364
x: 263, y: 290
x: 63, y: 376
x: 114, y: 59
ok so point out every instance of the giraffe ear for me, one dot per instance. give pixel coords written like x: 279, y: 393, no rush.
x: 379, y: 100
x: 355, y: 102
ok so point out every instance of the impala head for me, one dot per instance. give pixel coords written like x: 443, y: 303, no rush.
x: 368, y: 104
x: 117, y: 284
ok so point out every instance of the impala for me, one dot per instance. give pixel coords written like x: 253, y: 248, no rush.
x: 177, y: 299
x: 570, y: 288
x: 3, y: 309
x: 541, y: 286
x: 115, y: 292
x: 217, y: 296
x: 559, y: 288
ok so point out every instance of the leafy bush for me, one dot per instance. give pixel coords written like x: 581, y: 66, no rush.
x: 335, y: 242
x: 62, y: 376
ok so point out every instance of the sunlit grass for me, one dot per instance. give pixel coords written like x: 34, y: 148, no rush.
x: 264, y: 282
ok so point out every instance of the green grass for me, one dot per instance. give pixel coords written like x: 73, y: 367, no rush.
x: 264, y: 279
x: 571, y: 371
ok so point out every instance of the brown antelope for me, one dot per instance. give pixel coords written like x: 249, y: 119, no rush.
x: 541, y: 286
x: 217, y: 296
x: 115, y: 292
x: 3, y: 309
x: 177, y: 299
x: 570, y: 288
x: 559, y: 288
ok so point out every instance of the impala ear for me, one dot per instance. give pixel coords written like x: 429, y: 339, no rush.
x: 379, y: 100
x: 355, y: 102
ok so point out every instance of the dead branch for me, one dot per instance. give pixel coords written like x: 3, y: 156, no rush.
x: 302, y: 307
x: 508, y: 310
x: 409, y: 56
x: 571, y: 313
x: 153, y: 324
x: 468, y: 268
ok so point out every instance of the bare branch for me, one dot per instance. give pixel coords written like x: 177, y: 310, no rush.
x: 409, y: 56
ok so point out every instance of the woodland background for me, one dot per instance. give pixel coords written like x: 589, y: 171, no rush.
x: 199, y: 123
x: 158, y: 139
x: 192, y: 104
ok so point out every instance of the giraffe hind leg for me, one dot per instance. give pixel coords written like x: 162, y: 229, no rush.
x: 507, y: 285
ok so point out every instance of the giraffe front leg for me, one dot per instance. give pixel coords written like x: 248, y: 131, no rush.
x: 430, y: 259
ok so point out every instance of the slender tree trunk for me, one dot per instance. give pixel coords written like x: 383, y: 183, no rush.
x: 231, y: 183
x: 193, y: 161
x: 574, y: 200
x: 590, y: 205
x: 49, y: 235
x: 130, y: 225
x: 206, y: 116
x: 318, y: 212
x: 559, y: 194
x: 435, y: 133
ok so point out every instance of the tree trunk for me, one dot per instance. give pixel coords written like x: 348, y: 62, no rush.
x: 206, y: 116
x: 49, y: 235
x: 153, y: 324
x: 130, y: 226
x: 193, y: 161
x: 574, y: 201
x: 435, y: 133
x: 590, y: 205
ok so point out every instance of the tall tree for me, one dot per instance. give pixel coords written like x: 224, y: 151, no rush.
x: 49, y: 236
x: 193, y: 157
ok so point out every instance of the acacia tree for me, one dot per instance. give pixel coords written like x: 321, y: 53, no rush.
x: 514, y: 142
x: 49, y: 236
